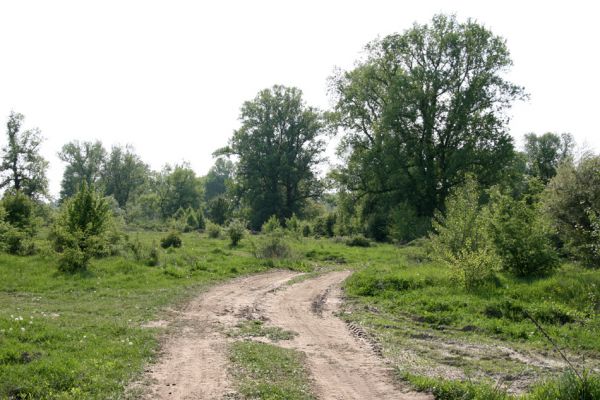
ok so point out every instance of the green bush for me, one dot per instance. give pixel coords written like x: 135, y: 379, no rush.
x: 80, y: 231
x: 235, y: 231
x: 154, y: 256
x: 568, y: 200
x: 271, y: 225
x: 521, y: 235
x: 18, y: 223
x: 358, y: 241
x: 173, y: 239
x: 273, y: 245
x: 306, y: 230
x: 461, y: 239
x: 405, y: 225
x: 213, y: 230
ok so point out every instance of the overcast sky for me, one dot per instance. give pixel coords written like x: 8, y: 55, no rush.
x: 169, y: 77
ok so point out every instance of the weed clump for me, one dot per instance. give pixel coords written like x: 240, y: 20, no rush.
x: 213, y: 230
x: 358, y: 241
x: 173, y: 239
x: 235, y: 231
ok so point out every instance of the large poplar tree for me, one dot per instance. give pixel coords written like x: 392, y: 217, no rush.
x: 277, y: 147
x: 424, y: 108
x: 22, y: 168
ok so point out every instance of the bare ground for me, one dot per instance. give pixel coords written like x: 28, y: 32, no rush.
x: 342, y: 365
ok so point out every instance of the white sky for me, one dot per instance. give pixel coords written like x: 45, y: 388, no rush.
x: 169, y: 77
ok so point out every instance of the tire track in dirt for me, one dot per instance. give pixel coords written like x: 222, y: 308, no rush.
x: 193, y: 360
x: 342, y: 365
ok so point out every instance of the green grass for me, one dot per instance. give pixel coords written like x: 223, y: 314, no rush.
x: 264, y: 371
x: 80, y: 336
x: 413, y: 306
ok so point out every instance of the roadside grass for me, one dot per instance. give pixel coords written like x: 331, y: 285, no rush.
x: 440, y: 336
x: 265, y: 371
x: 81, y: 336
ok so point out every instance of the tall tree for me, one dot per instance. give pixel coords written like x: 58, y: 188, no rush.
x: 278, y: 146
x: 546, y: 152
x: 22, y: 168
x: 178, y: 188
x: 123, y: 174
x: 215, y: 182
x: 423, y: 109
x: 85, y: 161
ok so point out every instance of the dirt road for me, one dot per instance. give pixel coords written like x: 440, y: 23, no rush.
x: 193, y: 364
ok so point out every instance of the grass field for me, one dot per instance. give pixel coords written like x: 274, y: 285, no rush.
x: 83, y: 336
x: 435, y: 332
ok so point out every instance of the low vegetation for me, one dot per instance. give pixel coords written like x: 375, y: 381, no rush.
x: 265, y: 371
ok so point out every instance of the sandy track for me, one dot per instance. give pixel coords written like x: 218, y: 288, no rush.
x: 193, y: 361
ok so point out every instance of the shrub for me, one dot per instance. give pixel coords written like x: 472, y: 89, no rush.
x: 213, y: 230
x: 235, y: 231
x: 567, y: 200
x: 405, y: 225
x: 460, y: 238
x: 306, y: 230
x: 271, y: 225
x: 154, y: 256
x: 79, y: 232
x: 19, y: 211
x: 173, y: 239
x: 292, y: 224
x: 273, y: 245
x: 18, y: 223
x: 16, y: 241
x: 521, y: 235
x: 358, y: 241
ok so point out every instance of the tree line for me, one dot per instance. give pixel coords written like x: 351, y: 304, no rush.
x: 423, y: 115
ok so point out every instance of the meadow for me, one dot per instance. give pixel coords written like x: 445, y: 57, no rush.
x: 86, y: 335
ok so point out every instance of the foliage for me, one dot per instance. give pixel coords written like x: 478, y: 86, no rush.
x: 218, y: 179
x: 80, y: 231
x: 358, y: 241
x: 521, y: 235
x: 273, y: 245
x: 405, y: 225
x: 278, y: 147
x: 461, y: 239
x: 18, y: 223
x: 218, y: 209
x: 123, y: 174
x: 235, y: 231
x: 85, y: 161
x: 271, y: 225
x: 324, y: 225
x: 177, y: 188
x: 571, y: 199
x: 546, y: 152
x: 22, y: 168
x: 172, y: 239
x: 154, y: 256
x: 424, y: 108
x: 213, y: 230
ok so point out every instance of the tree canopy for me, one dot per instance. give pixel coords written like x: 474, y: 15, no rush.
x: 278, y: 146
x: 424, y: 108
x: 85, y: 161
x: 22, y: 168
